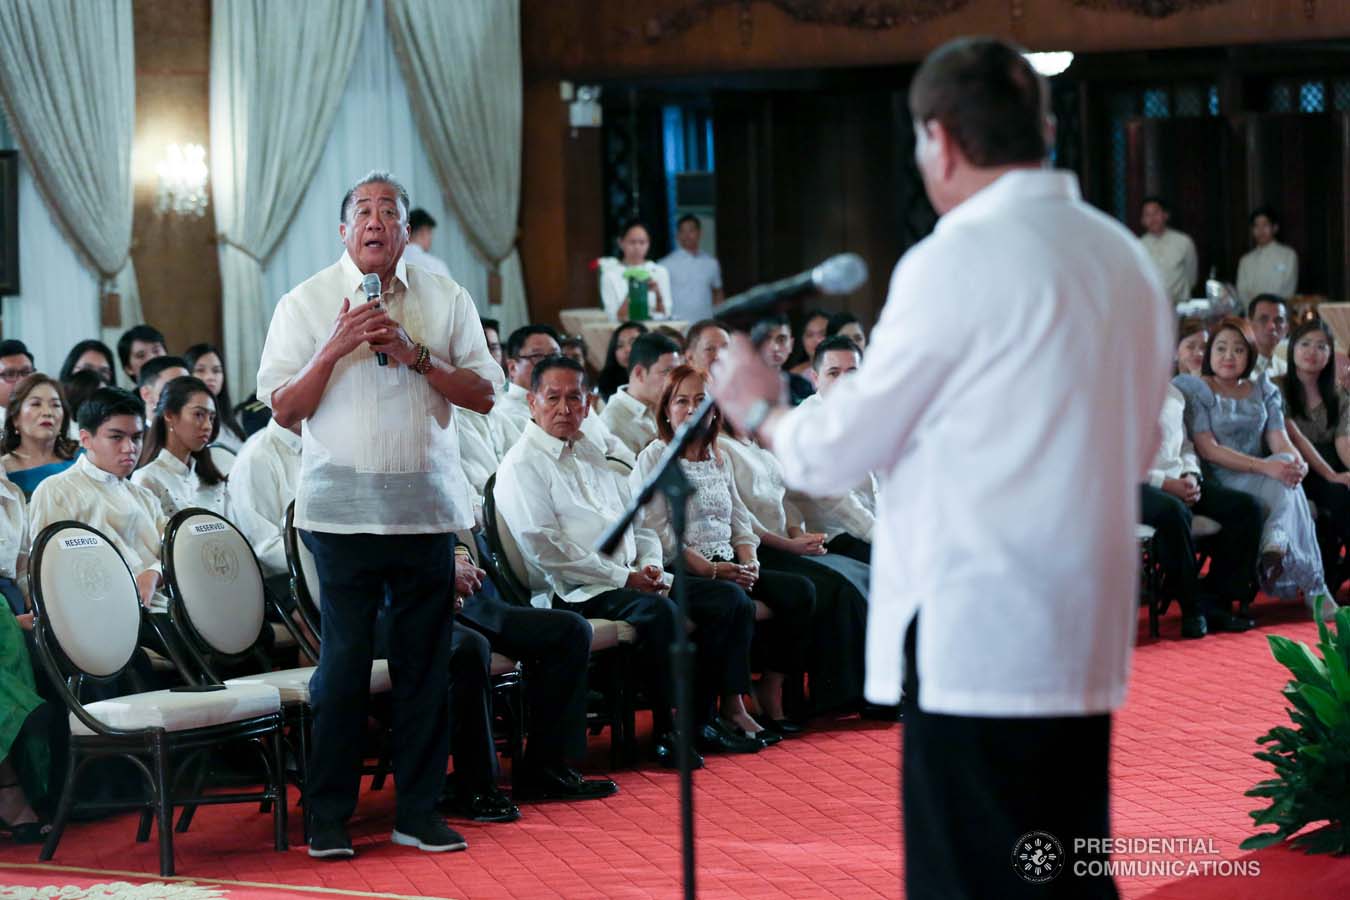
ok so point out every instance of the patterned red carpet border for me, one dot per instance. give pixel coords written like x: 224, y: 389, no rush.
x: 814, y: 817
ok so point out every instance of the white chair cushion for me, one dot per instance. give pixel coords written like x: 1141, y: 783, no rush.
x: 501, y: 665
x: 293, y: 684
x: 181, y: 711
x: 92, y: 606
x: 607, y: 633
x: 1143, y: 532
x: 1204, y: 526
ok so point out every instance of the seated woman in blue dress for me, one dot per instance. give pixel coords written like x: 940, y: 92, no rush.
x: 1232, y: 418
x: 35, y: 443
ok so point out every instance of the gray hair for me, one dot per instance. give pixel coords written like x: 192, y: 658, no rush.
x: 376, y: 176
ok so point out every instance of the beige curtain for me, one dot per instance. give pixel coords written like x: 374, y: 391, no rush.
x: 278, y: 70
x: 67, y: 83
x: 461, y: 61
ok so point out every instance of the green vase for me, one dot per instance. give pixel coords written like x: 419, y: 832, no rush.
x: 637, y: 301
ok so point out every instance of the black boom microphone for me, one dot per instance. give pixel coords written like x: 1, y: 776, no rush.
x: 840, y: 274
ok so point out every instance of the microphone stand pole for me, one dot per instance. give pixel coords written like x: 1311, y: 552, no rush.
x: 668, y: 478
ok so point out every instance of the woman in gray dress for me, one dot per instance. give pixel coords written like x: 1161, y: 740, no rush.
x: 1234, y: 419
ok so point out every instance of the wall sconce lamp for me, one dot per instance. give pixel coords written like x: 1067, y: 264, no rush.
x: 182, y: 181
x: 1050, y: 64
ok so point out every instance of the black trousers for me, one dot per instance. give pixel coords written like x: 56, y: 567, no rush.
x: 471, y: 740
x: 1172, y: 545
x: 783, y: 642
x: 554, y: 645
x: 653, y: 616
x: 356, y: 572
x: 836, y: 655
x: 1333, y: 520
x: 1234, y: 550
x: 847, y: 545
x: 973, y: 787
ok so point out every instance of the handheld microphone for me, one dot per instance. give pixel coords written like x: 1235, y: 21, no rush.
x: 841, y: 274
x: 371, y: 285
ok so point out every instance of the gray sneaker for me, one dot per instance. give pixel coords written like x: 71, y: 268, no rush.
x: 430, y: 834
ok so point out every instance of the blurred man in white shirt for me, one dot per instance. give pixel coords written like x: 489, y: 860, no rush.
x: 695, y: 277
x: 1270, y: 267
x: 1004, y: 547
x: 418, y: 252
x: 1172, y: 251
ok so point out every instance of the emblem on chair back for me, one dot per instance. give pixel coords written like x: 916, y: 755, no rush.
x: 88, y: 598
x: 216, y: 577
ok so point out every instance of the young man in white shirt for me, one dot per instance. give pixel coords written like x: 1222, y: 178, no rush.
x: 1270, y: 267
x: 1269, y: 316
x: 151, y: 378
x: 97, y: 492
x: 418, y: 252
x: 138, y: 345
x: 629, y: 415
x: 525, y: 347
x: 847, y: 520
x: 1172, y: 251
x: 695, y: 277
x: 1004, y: 545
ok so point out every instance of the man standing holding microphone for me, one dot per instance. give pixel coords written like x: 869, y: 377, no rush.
x: 1013, y: 421
x: 381, y: 492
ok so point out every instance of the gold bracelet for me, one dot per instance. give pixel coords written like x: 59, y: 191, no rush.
x: 423, y: 363
x: 714, y: 575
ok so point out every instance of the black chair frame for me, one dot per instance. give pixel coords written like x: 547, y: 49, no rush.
x: 152, y: 751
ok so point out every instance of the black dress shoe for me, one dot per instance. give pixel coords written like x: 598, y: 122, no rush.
x: 1222, y: 620
x: 487, y: 805
x: 1193, y: 627
x: 560, y: 783
x: 785, y: 727
x: 714, y: 738
x: 765, y: 737
x: 663, y: 753
x: 329, y: 840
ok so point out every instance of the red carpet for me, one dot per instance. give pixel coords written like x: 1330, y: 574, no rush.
x: 813, y: 817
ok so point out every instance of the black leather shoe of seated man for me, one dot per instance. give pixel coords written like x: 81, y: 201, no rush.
x: 665, y: 755
x: 714, y: 738
x: 560, y: 783
x: 486, y: 805
x: 329, y: 840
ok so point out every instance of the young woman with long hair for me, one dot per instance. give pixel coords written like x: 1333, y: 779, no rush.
x: 206, y: 362
x: 176, y: 463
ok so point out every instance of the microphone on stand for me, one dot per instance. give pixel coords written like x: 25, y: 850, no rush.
x: 371, y: 285
x: 841, y: 274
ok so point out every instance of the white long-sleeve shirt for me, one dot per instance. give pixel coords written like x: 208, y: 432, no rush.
x: 1176, y: 454
x: 629, y: 420
x: 127, y: 514
x: 14, y: 537
x: 1271, y: 269
x: 262, y: 484
x: 1173, y: 253
x: 614, y: 287
x: 558, y: 499
x: 1025, y: 477
x: 381, y: 452
x: 178, y: 487
x: 759, y: 482
x: 717, y: 519
x: 853, y: 511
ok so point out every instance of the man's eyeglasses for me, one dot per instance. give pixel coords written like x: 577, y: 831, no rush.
x: 13, y: 375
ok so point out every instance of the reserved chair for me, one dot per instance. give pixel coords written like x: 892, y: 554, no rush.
x: 86, y: 621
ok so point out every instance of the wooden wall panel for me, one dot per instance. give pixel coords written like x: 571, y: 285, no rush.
x: 175, y: 257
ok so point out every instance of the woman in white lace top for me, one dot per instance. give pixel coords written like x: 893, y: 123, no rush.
x: 721, y: 552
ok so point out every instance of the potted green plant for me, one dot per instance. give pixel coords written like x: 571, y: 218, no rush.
x: 1312, y: 759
